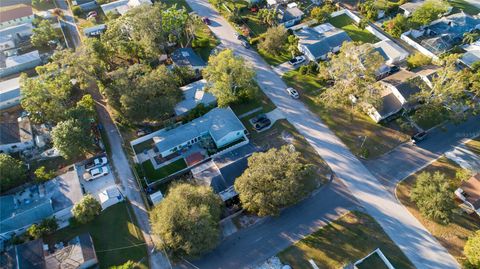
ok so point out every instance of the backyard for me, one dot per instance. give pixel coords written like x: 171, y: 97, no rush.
x: 466, y: 7
x: 115, y: 235
x: 356, y: 34
x: 454, y: 235
x: 151, y: 174
x: 361, y: 134
x: 343, y: 241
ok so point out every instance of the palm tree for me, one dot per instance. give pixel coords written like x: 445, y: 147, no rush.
x: 469, y: 38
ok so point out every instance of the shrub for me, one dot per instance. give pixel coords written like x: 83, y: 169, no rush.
x: 417, y: 60
x: 200, y: 42
x: 472, y: 250
x: 47, y: 226
x: 86, y: 209
x: 77, y: 11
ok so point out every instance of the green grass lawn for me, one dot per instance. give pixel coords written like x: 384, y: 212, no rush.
x: 274, y: 60
x: 111, y: 230
x: 454, y: 235
x: 179, y: 3
x: 260, y: 101
x: 343, y: 241
x: 153, y: 174
x: 474, y: 145
x: 350, y: 127
x: 465, y: 6
x: 204, y: 33
x: 356, y: 34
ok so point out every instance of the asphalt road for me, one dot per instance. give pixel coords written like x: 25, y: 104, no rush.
x: 406, y: 231
x: 407, y: 159
x: 255, y: 244
x: 68, y: 25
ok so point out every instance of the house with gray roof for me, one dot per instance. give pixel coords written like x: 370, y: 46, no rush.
x: 472, y: 54
x: 289, y: 15
x: 12, y: 36
x: 29, y: 255
x: 9, y: 93
x: 186, y: 57
x: 194, y: 94
x: 219, y: 124
x: 389, y: 106
x: 18, y: 63
x: 16, y: 131
x: 123, y: 6
x: 317, y: 42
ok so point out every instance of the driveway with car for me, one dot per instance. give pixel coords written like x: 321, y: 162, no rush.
x: 283, y: 68
x: 406, y: 231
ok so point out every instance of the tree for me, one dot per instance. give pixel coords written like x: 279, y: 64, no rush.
x: 429, y: 11
x: 267, y: 16
x: 397, y: 26
x: 292, y: 45
x: 274, y: 40
x: 12, y: 170
x: 41, y: 174
x: 272, y: 181
x: 472, y: 249
x: 72, y: 138
x: 369, y: 10
x: 86, y: 209
x: 417, y: 60
x: 231, y: 79
x: 469, y: 38
x: 353, y: 71
x: 188, y: 219
x: 47, y: 226
x: 321, y: 14
x: 140, y: 94
x: 47, y: 98
x: 127, y: 265
x: 43, y: 33
x: 433, y: 195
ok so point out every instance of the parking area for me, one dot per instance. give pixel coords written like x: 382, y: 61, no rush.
x: 103, y: 188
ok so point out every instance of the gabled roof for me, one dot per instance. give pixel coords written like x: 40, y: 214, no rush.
x: 321, y: 39
x: 16, y: 12
x: 390, y: 105
x: 290, y: 13
x: 412, y: 6
x: 187, y: 57
x: 471, y: 188
x: 390, y: 51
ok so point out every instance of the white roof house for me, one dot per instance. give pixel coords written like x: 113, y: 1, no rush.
x: 110, y: 196
x: 194, y: 94
x: 391, y: 52
x: 221, y: 124
x: 18, y: 63
x: 472, y: 55
x: 122, y: 6
x: 9, y: 93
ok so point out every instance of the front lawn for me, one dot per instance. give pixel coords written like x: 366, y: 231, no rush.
x: 357, y: 130
x: 356, y: 34
x: 343, y: 241
x: 465, y: 6
x: 179, y: 3
x: 474, y: 145
x: 153, y: 174
x: 115, y: 235
x: 203, y: 34
x: 454, y: 235
x: 261, y: 100
x: 274, y: 60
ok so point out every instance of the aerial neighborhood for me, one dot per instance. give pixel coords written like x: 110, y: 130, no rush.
x: 239, y: 134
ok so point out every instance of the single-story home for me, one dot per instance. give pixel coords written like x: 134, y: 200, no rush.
x: 77, y: 253
x: 472, y: 54
x: 186, y: 57
x: 391, y: 52
x: 390, y: 105
x: 122, y: 6
x: 16, y: 14
x: 11, y: 36
x: 290, y: 15
x: 469, y: 193
x: 9, y: 93
x: 317, y: 42
x: 193, y: 95
x: 220, y: 124
x: 410, y: 7
x: 16, y: 131
x: 404, y: 85
x: 94, y: 31
x: 16, y: 64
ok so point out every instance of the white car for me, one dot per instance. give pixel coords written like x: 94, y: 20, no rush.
x: 98, y: 172
x: 297, y: 60
x: 97, y: 162
x: 293, y: 93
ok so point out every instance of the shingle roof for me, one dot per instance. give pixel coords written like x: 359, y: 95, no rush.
x: 186, y: 57
x: 472, y: 188
x: 321, y: 43
x: 30, y: 255
x: 390, y: 105
x: 291, y: 13
x: 15, y: 13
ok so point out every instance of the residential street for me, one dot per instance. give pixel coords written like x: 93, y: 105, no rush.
x: 259, y: 242
x: 407, y: 159
x: 68, y: 24
x: 406, y: 231
x: 129, y: 185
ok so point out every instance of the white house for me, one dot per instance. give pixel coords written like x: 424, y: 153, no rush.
x: 220, y: 124
x: 391, y: 52
x: 18, y: 63
x: 15, y: 15
x: 110, y: 196
x: 320, y: 40
x: 390, y: 105
x: 410, y: 7
x: 472, y: 54
x: 9, y: 93
x: 290, y: 15
x: 122, y: 6
x: 11, y: 36
x: 193, y: 95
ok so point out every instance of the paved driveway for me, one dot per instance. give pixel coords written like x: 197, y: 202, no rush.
x: 407, y: 232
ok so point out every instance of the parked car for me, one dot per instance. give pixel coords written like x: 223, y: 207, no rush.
x: 206, y: 20
x: 297, y: 60
x: 245, y: 43
x: 97, y: 162
x: 92, y: 14
x: 262, y: 124
x: 259, y: 118
x: 293, y: 93
x: 418, y: 137
x: 240, y: 37
x: 98, y: 172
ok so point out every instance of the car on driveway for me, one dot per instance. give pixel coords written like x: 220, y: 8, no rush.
x: 420, y: 136
x: 297, y: 60
x: 258, y: 118
x: 262, y: 124
x: 97, y: 172
x: 293, y: 93
x: 97, y: 162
